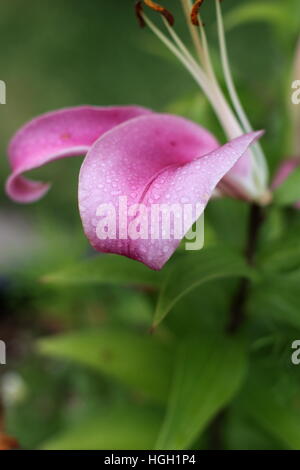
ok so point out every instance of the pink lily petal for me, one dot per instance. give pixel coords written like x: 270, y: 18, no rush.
x: 154, y: 159
x: 286, y: 168
x: 65, y: 133
x: 242, y: 168
x: 238, y: 182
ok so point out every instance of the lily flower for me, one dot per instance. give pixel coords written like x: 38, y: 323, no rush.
x: 148, y: 157
x: 136, y: 159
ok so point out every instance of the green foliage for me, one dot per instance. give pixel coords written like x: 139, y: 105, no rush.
x: 276, y: 300
x: 84, y: 369
x: 281, y: 255
x: 244, y: 434
x: 275, y: 417
x: 276, y: 14
x: 141, y: 362
x: 208, y: 373
x: 266, y: 11
x: 289, y: 191
x: 195, y: 269
x: 121, y: 428
x: 106, y: 269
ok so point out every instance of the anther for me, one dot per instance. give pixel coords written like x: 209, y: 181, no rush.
x: 156, y: 7
x: 139, y: 13
x: 195, y: 11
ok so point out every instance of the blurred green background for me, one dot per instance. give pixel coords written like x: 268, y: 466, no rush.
x: 62, y: 53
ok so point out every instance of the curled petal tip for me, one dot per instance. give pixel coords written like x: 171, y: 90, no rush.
x: 55, y: 135
x: 25, y: 191
x: 258, y: 134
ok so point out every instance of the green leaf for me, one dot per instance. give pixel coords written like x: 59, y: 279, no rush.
x: 123, y: 428
x: 276, y: 299
x: 139, y: 361
x: 274, y: 226
x: 243, y: 434
x: 281, y: 256
x: 276, y: 417
x: 225, y: 213
x: 284, y: 17
x: 209, y: 372
x: 194, y: 269
x: 276, y: 14
x: 292, y: 279
x: 106, y: 269
x: 289, y: 191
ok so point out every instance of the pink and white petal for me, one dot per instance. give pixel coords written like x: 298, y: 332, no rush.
x: 58, y: 134
x: 238, y: 182
x: 286, y: 168
x: 154, y: 159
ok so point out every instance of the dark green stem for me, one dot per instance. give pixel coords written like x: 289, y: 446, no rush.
x: 237, y: 311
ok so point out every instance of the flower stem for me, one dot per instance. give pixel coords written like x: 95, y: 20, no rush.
x: 237, y: 311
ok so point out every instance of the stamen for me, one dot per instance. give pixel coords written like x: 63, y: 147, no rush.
x: 187, y: 5
x: 203, y: 73
x: 162, y: 10
x: 195, y: 12
x: 259, y: 158
x: 216, y: 99
x: 139, y: 13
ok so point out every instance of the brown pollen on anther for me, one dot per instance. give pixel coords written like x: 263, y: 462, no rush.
x: 195, y: 11
x: 162, y: 10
